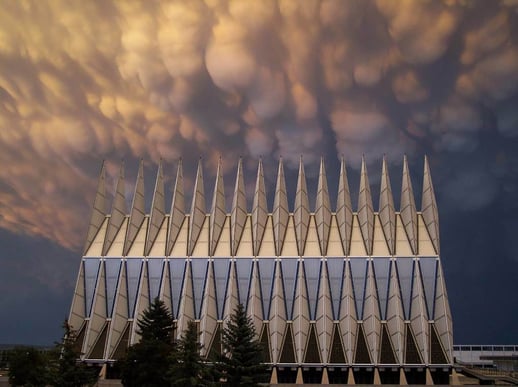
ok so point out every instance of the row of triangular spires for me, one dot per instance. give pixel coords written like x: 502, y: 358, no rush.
x: 259, y: 215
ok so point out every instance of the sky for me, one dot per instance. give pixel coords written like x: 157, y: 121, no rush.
x: 87, y: 81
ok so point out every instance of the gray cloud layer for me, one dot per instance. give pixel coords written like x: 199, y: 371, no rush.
x: 82, y: 81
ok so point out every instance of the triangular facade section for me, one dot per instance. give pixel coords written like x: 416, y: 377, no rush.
x: 407, y: 208
x: 387, y: 355
x: 218, y: 211
x: 301, y: 210
x: 336, y: 352
x: 123, y: 343
x: 365, y: 209
x: 98, y: 348
x: 362, y: 353
x: 177, y: 216
x: 428, y: 269
x: 280, y: 212
x: 98, y: 210
x: 138, y: 211
x: 405, y: 272
x: 412, y: 355
x: 157, y: 211
x: 197, y: 210
x: 323, y: 209
x: 215, y: 347
x: 264, y: 341
x: 238, y: 215
x: 387, y: 213
x: 288, y: 348
x: 176, y: 277
x: 312, y: 354
x: 259, y: 210
x: 437, y: 353
x: 344, y: 212
x: 118, y: 213
x: 429, y: 207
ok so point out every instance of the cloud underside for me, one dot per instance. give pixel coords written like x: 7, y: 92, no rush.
x: 85, y: 81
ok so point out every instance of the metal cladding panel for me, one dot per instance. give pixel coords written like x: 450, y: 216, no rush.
x: 118, y: 213
x: 254, y: 302
x: 344, y: 211
x: 418, y: 315
x: 245, y: 247
x: 347, y: 318
x: 323, y: 209
x: 117, y: 246
x: 119, y: 316
x: 141, y: 304
x: 157, y: 216
x: 442, y: 316
x: 312, y: 274
x: 239, y: 211
x: 259, y: 210
x: 78, y: 308
x: 300, y: 314
x: 138, y: 212
x: 371, y: 314
x: 218, y: 211
x: 280, y: 211
x: 365, y: 209
x: 186, y: 311
x: 208, y: 314
x: 324, y: 313
x: 407, y: 208
x: 179, y: 248
x: 137, y: 246
x: 98, y: 210
x: 98, y: 314
x: 96, y: 247
x: 158, y: 247
x: 429, y: 207
x: 177, y: 216
x: 223, y: 246
x: 277, y: 314
x: 395, y: 316
x: 301, y: 210
x: 334, y: 246
x: 198, y: 211
x: 387, y: 214
x: 379, y: 243
x: 232, y: 293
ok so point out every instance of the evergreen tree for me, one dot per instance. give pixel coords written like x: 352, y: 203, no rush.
x: 67, y: 370
x: 187, y: 368
x: 241, y: 364
x: 147, y: 362
x: 28, y: 366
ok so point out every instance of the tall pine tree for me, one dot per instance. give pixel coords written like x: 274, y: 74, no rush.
x: 187, y: 367
x: 147, y: 362
x: 241, y: 364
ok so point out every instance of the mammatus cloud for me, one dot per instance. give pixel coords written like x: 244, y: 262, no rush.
x: 86, y: 81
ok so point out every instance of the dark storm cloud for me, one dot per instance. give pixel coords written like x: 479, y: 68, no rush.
x: 85, y: 81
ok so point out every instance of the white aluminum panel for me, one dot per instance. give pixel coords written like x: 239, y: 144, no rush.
x: 239, y: 211
x: 344, y: 212
x: 218, y: 211
x: 387, y: 214
x: 312, y: 244
x: 347, y: 317
x: 379, y: 243
x: 395, y: 317
x: 223, y: 246
x: 357, y: 246
x: 177, y: 215
x: 371, y: 317
x: 198, y: 210
x: 443, y: 321
x: 334, y: 246
x: 157, y: 213
x: 141, y: 305
x: 407, y: 208
x: 277, y: 315
x: 403, y: 248
x: 117, y: 247
x: 231, y: 297
x: 159, y: 245
x: 418, y: 317
x: 179, y: 248
x: 425, y: 245
x: 96, y: 247
x: 267, y: 247
x: 280, y: 210
x: 78, y: 309
x: 186, y: 308
x: 301, y: 210
x: 259, y: 210
x: 119, y: 315
x: 245, y: 247
x: 301, y: 314
x: 254, y: 303
x: 138, y: 213
x: 137, y: 247
x: 98, y: 210
x: 98, y: 315
x: 289, y: 247
x: 208, y: 315
x: 323, y: 209
x: 429, y: 207
x: 118, y: 212
x: 365, y: 209
x: 201, y: 248
x: 324, y: 314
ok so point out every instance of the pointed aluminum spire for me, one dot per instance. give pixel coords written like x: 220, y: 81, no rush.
x: 323, y: 209
x: 387, y: 212
x: 218, y: 211
x: 301, y: 212
x: 238, y: 216
x: 259, y: 209
x: 407, y: 208
x: 137, y: 210
x: 98, y: 211
x: 280, y: 212
x: 157, y: 210
x: 197, y: 209
x: 344, y: 211
x: 429, y: 207
x: 177, y: 209
x: 118, y: 212
x: 365, y: 209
